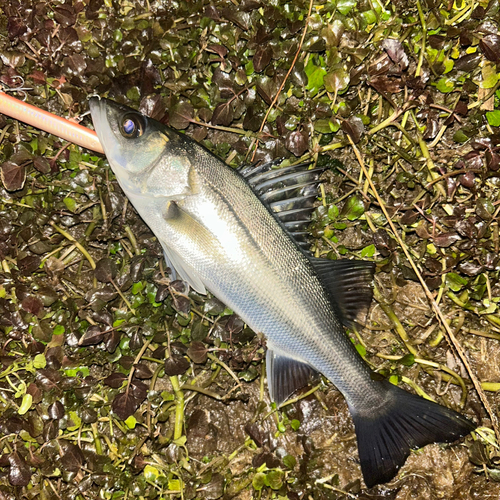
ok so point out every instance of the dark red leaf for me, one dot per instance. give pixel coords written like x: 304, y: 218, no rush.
x: 197, y: 352
x: 181, y: 115
x: 20, y: 472
x: 49, y: 379
x: 296, y: 143
x: 220, y: 50
x: 124, y: 405
x: 468, y: 62
x: 115, y: 380
x: 446, y: 239
x: 139, y: 390
x: 262, y: 57
x: 72, y: 459
x: 92, y: 336
x: 223, y: 114
x: 490, y: 45
x: 13, y: 176
x: 105, y: 270
x: 396, y: 52
x: 492, y: 160
x: 56, y: 410
x: 176, y: 365
x: 354, y: 128
x: 383, y: 84
x: 142, y: 371
x: 32, y: 305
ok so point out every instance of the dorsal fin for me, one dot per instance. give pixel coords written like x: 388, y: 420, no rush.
x: 349, y: 283
x: 288, y: 192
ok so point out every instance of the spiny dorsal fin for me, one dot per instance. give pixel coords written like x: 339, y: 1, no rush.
x: 285, y: 375
x: 349, y: 283
x: 289, y: 193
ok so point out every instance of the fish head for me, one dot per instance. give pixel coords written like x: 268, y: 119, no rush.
x: 147, y: 157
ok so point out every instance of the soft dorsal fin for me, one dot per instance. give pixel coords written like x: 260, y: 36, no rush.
x: 288, y: 192
x: 349, y: 283
x: 285, y: 375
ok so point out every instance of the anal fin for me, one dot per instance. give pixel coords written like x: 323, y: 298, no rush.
x: 286, y: 375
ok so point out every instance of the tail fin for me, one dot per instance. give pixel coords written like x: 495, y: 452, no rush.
x: 385, y: 438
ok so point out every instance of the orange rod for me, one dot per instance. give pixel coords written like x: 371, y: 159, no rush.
x: 48, y: 122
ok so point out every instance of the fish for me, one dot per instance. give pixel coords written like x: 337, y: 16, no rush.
x: 239, y: 234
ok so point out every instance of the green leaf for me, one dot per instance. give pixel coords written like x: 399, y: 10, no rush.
x: 151, y: 474
x: 259, y: 481
x: 493, y: 117
x: 70, y: 204
x: 131, y: 422
x: 58, y: 330
x: 393, y: 379
x: 445, y: 85
x: 455, y: 282
x: 25, y: 404
x: 333, y: 212
x: 40, y: 361
x: 368, y: 251
x: 275, y: 479
x: 315, y: 75
x: 407, y: 360
x: 295, y: 424
x: 345, y: 6
x: 353, y: 209
x: 361, y: 350
x: 337, y: 80
x: 289, y: 461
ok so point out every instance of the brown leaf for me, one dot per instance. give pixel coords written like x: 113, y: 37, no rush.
x: 354, y: 128
x: 124, y: 405
x: 176, y: 365
x: 446, y: 239
x: 262, y: 58
x: 181, y: 115
x: 396, y: 52
x: 32, y: 305
x: 197, y: 352
x: 20, y: 472
x: 92, y: 336
x: 115, y: 380
x: 13, y: 176
x: 490, y: 45
x: 105, y: 270
x: 142, y: 371
x: 223, y: 114
x: 296, y: 143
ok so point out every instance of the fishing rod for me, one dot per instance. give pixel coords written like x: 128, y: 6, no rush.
x: 48, y: 122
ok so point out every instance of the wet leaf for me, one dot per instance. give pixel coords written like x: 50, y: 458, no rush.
x: 353, y: 208
x: 115, y: 380
x: 485, y: 208
x: 92, y: 336
x: 455, y: 282
x: 105, y: 270
x: 32, y: 305
x: 197, y: 352
x: 56, y: 410
x: 296, y: 143
x: 181, y: 115
x: 142, y: 371
x: 445, y: 240
x: 176, y: 365
x: 124, y: 405
x: 13, y: 176
x: 490, y: 45
x: 262, y: 57
x: 223, y: 114
x: 337, y: 80
x: 19, y: 472
x: 354, y: 128
x: 396, y: 52
x: 72, y: 458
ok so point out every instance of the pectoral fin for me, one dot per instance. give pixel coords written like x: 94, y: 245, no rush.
x: 285, y: 375
x: 176, y: 263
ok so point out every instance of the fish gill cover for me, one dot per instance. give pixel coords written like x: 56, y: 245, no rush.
x: 89, y: 406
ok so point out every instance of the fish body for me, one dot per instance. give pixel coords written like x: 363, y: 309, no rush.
x: 221, y: 237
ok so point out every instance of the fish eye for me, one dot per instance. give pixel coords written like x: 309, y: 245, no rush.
x: 132, y: 126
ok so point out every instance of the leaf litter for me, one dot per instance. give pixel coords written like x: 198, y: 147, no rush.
x: 116, y: 382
